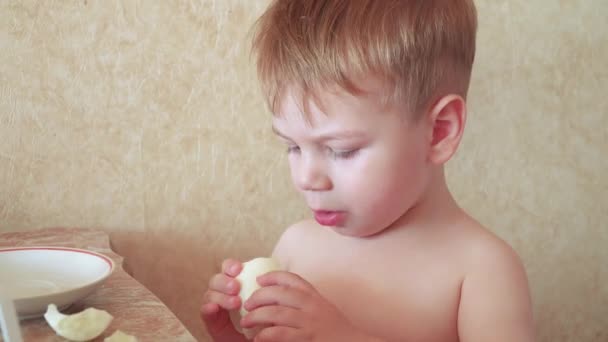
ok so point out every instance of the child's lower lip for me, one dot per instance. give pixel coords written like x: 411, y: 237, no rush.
x: 330, y: 218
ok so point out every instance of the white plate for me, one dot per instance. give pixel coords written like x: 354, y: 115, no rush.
x: 37, y: 276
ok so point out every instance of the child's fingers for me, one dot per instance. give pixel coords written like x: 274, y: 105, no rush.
x: 209, y: 310
x: 231, y: 267
x: 279, y: 295
x: 225, y: 284
x: 226, y: 302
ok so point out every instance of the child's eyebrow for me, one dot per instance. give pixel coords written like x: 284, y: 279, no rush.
x: 340, y: 135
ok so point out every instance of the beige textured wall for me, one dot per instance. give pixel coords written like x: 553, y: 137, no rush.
x: 143, y: 118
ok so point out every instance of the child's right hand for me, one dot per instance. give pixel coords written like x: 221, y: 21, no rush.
x: 221, y: 297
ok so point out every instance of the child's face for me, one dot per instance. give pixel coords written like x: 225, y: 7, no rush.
x: 359, y: 166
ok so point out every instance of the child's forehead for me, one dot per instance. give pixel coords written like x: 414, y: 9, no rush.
x: 334, y: 112
x: 368, y: 95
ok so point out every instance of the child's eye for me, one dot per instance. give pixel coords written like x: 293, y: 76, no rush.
x: 293, y: 149
x: 344, y: 154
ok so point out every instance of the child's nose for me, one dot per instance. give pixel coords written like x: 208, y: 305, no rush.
x: 311, y: 176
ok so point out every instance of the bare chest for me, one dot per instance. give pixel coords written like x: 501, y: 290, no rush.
x: 396, y: 300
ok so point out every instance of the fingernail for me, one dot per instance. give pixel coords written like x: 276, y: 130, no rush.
x: 234, y: 269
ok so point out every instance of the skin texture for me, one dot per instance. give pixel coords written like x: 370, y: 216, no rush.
x: 403, y: 262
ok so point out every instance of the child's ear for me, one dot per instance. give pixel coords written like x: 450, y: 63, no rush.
x: 447, y: 118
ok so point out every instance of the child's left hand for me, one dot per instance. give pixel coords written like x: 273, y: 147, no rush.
x: 290, y: 309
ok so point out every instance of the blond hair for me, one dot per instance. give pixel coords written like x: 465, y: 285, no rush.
x: 413, y: 46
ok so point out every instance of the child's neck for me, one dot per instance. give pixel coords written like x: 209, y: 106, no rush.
x: 436, y: 206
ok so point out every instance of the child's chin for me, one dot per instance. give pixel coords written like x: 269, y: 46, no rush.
x: 349, y: 231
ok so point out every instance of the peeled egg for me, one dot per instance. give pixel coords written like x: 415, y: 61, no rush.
x: 83, y: 326
x: 248, y: 280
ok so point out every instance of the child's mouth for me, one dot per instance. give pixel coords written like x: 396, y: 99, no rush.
x: 329, y: 218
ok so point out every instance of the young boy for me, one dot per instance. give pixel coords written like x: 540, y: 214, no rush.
x: 369, y: 97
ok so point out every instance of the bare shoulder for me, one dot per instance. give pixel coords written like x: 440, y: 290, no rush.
x: 487, y: 253
x: 291, y: 240
x: 495, y: 290
x: 485, y: 248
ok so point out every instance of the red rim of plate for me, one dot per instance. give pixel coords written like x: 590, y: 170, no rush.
x: 65, y: 249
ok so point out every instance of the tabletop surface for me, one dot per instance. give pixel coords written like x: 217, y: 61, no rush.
x: 136, y: 310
